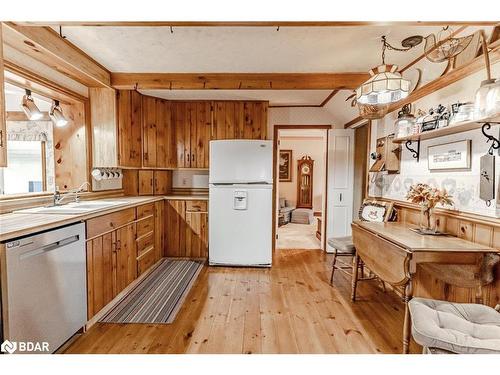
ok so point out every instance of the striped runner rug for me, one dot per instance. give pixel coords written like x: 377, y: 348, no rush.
x: 158, y: 297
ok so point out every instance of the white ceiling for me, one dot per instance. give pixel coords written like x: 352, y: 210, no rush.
x: 243, y: 49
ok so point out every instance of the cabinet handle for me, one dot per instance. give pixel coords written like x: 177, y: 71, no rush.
x: 188, y: 155
x: 1, y: 137
x: 192, y: 158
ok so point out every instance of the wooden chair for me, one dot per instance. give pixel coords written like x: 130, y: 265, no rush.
x: 343, y: 247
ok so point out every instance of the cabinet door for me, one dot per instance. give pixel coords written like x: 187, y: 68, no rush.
x: 104, y: 127
x: 165, y: 137
x: 125, y: 257
x: 149, y: 144
x: 200, y: 137
x: 3, y: 126
x: 162, y: 182
x: 240, y: 120
x: 146, y: 182
x: 100, y: 272
x: 129, y: 129
x: 159, y: 230
x: 179, y: 116
x: 175, y: 227
x: 196, y: 234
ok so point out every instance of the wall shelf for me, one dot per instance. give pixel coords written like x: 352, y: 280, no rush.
x: 449, y: 130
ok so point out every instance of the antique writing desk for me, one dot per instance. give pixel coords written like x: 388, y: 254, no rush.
x: 392, y: 251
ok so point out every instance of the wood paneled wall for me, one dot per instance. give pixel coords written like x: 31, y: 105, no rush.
x: 485, y: 231
x: 70, y: 148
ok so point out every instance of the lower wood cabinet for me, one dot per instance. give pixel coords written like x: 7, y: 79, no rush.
x: 186, y: 228
x: 120, y: 247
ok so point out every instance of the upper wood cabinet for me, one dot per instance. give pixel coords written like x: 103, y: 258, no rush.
x: 104, y: 127
x: 239, y: 120
x: 129, y: 128
x: 3, y: 126
x: 158, y: 134
x: 192, y: 123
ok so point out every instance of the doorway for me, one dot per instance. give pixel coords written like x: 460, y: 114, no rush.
x: 300, y: 180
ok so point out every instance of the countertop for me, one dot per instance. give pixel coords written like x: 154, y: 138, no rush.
x: 14, y: 225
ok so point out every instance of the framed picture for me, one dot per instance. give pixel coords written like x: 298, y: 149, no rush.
x: 454, y: 155
x: 285, y: 172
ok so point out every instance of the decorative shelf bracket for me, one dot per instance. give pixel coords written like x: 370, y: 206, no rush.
x: 415, y: 153
x: 495, y: 145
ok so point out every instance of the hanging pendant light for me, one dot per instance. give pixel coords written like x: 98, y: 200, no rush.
x: 56, y: 115
x: 29, y: 107
x: 385, y: 85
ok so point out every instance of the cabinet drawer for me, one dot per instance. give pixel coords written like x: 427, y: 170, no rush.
x: 106, y: 223
x: 145, y: 261
x: 145, y: 210
x: 196, y: 206
x: 145, y: 226
x: 144, y: 243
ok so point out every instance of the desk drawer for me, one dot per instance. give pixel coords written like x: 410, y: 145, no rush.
x: 145, y: 210
x: 145, y: 226
x: 144, y: 243
x: 106, y: 223
x: 145, y: 261
x: 196, y: 206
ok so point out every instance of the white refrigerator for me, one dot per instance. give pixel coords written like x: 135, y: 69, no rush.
x: 240, y: 205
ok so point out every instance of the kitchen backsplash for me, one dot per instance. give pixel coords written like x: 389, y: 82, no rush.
x: 193, y: 179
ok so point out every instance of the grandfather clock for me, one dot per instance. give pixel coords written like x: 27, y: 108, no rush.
x: 305, y: 182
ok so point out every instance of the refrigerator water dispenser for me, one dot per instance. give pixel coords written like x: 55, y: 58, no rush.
x: 240, y: 200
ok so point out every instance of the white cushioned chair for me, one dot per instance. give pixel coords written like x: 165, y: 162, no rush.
x: 462, y: 328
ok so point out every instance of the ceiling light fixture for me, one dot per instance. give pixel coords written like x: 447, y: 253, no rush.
x: 56, y: 115
x: 386, y: 85
x: 29, y: 107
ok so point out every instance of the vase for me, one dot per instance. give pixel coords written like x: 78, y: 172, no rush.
x: 427, y: 222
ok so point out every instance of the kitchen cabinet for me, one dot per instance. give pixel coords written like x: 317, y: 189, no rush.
x: 104, y: 127
x: 151, y: 182
x: 186, y: 228
x: 158, y: 134
x: 129, y: 128
x: 121, y: 246
x: 192, y: 122
x: 239, y: 120
x: 3, y: 125
x: 111, y: 266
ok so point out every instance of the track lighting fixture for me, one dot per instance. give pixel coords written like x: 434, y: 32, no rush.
x: 56, y: 115
x: 29, y: 107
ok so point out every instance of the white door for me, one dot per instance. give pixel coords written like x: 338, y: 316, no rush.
x: 340, y: 184
x: 240, y: 227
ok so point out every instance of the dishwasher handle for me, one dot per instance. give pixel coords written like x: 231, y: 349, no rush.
x: 49, y: 247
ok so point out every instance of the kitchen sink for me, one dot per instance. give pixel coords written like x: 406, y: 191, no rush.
x: 73, y: 208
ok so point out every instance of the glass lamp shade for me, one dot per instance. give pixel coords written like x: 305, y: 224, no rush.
x: 487, y: 101
x: 384, y: 86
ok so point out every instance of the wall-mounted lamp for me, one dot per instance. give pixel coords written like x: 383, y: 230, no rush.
x: 56, y: 115
x: 29, y: 107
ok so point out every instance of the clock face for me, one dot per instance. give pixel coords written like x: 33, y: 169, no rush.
x: 305, y: 169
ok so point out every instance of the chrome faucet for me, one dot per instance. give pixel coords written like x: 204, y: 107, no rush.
x: 59, y: 197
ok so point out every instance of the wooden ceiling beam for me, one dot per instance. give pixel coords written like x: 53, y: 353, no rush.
x: 447, y: 79
x: 237, y: 81
x: 46, y: 46
x: 256, y: 23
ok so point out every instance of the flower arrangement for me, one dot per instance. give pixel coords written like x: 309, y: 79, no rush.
x: 428, y: 198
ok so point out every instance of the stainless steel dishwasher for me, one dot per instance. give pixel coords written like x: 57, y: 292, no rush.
x: 45, y: 296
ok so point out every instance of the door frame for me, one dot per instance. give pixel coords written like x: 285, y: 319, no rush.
x: 276, y: 129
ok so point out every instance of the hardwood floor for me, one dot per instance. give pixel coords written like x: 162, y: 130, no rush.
x: 290, y: 308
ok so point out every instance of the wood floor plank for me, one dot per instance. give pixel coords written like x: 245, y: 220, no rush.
x: 289, y: 308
